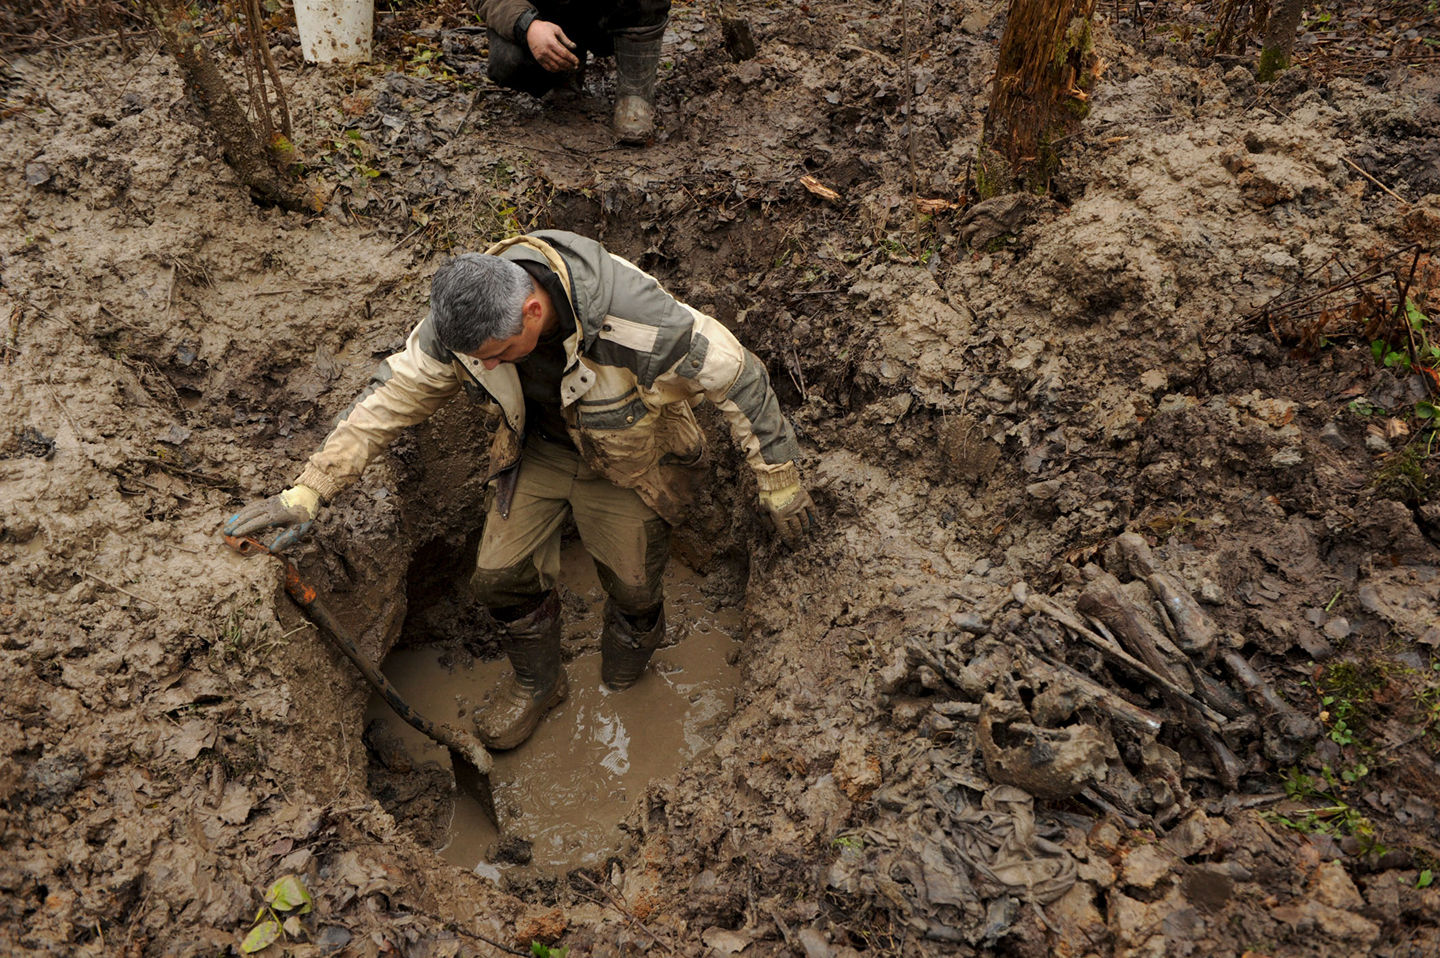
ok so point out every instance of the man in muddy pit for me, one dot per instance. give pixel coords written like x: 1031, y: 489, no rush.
x: 594, y: 368
x: 537, y: 47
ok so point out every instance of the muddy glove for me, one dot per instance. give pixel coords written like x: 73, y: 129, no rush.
x: 790, y: 510
x: 292, y: 513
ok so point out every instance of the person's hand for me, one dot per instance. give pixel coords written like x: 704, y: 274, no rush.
x: 790, y: 511
x: 553, y: 50
x: 291, y: 512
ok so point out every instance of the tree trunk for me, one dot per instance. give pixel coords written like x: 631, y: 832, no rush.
x: 242, y: 148
x: 1046, y: 64
x: 1279, y: 38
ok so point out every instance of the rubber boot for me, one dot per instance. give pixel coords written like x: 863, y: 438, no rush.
x: 624, y: 653
x: 533, y: 644
x: 636, y: 61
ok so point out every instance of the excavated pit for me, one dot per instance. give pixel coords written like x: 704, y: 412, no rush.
x: 563, y: 794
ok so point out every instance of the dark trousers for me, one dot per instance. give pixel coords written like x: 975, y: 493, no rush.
x: 591, y: 26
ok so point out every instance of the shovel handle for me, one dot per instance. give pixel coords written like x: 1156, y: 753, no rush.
x: 308, y: 599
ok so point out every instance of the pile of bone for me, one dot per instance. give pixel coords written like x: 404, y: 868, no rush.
x: 1119, y: 699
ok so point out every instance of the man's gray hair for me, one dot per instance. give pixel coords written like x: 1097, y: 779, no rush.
x: 476, y: 298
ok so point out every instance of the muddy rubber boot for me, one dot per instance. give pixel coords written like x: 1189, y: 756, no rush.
x: 636, y: 61
x: 533, y: 644
x: 624, y: 652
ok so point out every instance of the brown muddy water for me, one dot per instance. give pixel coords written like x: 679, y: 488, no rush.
x: 567, y: 789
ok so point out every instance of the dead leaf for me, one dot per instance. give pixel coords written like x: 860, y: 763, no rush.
x: 192, y: 739
x: 929, y: 207
x: 1395, y: 428
x: 236, y: 804
x: 819, y: 189
x: 724, y: 941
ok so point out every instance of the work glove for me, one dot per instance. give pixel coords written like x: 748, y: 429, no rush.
x: 292, y: 512
x: 789, y: 510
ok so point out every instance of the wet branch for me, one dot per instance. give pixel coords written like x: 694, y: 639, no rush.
x: 243, y: 150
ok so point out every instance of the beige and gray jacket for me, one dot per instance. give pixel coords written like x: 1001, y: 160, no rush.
x: 637, y: 362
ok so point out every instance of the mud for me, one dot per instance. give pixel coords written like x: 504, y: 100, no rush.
x: 979, y: 423
x: 565, y: 792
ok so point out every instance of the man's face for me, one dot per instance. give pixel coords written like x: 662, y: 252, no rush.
x: 496, y: 351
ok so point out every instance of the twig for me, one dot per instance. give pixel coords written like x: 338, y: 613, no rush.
x: 172, y: 468
x: 63, y: 411
x: 446, y: 923
x: 112, y: 585
x: 1373, y: 180
x: 625, y: 914
x: 297, y: 289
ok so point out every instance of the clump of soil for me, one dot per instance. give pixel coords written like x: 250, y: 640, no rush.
x: 987, y: 399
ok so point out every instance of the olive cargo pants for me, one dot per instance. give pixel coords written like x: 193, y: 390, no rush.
x: 519, y: 556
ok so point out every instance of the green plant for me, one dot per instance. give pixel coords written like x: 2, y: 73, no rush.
x: 289, y: 894
x: 1336, y: 816
x: 1395, y: 351
x: 1363, y: 407
x: 1403, y: 477
x: 1426, y: 877
x: 1345, y: 690
x: 542, y: 950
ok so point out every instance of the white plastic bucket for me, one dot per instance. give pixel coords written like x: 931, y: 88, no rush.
x: 335, y: 31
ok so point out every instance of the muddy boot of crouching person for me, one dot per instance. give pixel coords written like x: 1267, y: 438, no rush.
x: 627, y: 643
x: 538, y: 682
x: 637, y: 58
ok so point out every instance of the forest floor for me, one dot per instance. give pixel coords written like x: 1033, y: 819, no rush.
x: 922, y: 759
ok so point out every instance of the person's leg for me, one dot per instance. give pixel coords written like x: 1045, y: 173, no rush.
x: 513, y: 66
x: 516, y: 569
x: 630, y: 545
x: 636, y: 28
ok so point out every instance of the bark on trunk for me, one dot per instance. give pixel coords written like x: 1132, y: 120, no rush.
x: 1046, y: 63
x: 242, y: 148
x: 1279, y: 38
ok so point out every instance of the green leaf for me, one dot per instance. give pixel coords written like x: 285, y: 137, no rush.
x: 1412, y: 313
x: 289, y: 894
x: 1424, y: 409
x: 262, y: 936
x: 1426, y: 877
x: 1377, y: 349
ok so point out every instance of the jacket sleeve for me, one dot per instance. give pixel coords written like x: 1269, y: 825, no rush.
x: 405, y: 389
x: 502, y: 16
x: 733, y: 378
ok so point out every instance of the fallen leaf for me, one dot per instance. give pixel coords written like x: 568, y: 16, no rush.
x: 192, y: 739
x: 236, y: 804
x: 289, y: 894
x: 819, y: 189
x: 262, y: 936
x: 929, y: 207
x: 724, y: 941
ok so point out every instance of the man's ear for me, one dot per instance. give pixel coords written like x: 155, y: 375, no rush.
x: 533, y: 308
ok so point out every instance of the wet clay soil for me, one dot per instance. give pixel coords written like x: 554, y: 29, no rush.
x: 568, y: 788
x: 986, y: 396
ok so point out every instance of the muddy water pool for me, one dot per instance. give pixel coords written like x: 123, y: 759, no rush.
x: 567, y: 789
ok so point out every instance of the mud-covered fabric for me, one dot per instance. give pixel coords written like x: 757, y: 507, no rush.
x: 637, y: 360
x: 519, y: 556
x: 587, y: 23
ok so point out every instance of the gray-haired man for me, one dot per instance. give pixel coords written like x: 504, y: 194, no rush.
x: 595, y: 368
